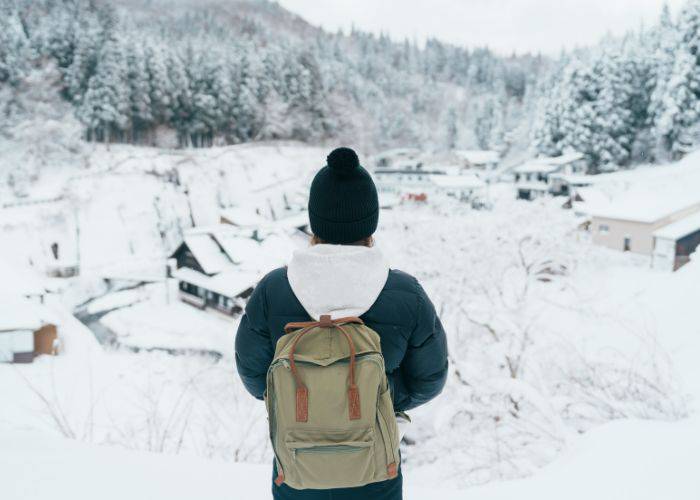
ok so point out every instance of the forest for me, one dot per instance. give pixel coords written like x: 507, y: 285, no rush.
x: 224, y: 74
x: 248, y: 70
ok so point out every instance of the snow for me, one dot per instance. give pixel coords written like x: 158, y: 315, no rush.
x: 535, y: 167
x: 625, y: 460
x: 230, y: 283
x: 679, y: 229
x: 649, y: 205
x: 592, y: 315
x: 18, y: 313
x: 207, y: 252
x: 19, y: 280
x: 457, y: 181
x: 547, y: 165
x: 478, y: 157
x: 240, y: 216
x: 171, y: 326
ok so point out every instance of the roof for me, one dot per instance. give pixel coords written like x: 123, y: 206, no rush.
x: 548, y: 164
x: 679, y: 229
x: 478, y: 156
x: 457, y: 181
x: 242, y: 217
x: 576, y: 180
x: 398, y: 152
x: 534, y: 167
x: 649, y: 205
x: 230, y: 283
x: 207, y: 252
x: 533, y: 186
x: 18, y: 313
x: 21, y: 281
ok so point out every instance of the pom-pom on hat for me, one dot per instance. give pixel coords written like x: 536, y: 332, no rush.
x: 343, y: 203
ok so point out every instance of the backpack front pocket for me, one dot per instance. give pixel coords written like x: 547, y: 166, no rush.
x: 342, y: 459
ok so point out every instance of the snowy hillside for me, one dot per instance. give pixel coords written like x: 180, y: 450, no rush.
x: 550, y: 337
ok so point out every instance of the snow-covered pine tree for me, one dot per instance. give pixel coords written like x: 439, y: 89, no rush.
x: 16, y: 53
x: 680, y: 103
x: 105, y: 107
x: 140, y: 113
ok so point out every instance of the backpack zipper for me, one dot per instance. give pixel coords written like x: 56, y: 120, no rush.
x: 328, y: 449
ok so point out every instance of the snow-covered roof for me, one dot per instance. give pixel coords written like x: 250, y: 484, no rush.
x: 295, y: 221
x: 18, y: 313
x: 533, y: 186
x: 457, y: 181
x: 20, y: 281
x: 398, y: 152
x: 242, y: 217
x: 229, y: 283
x: 535, y: 167
x: 564, y: 159
x: 548, y: 164
x: 679, y: 229
x: 478, y: 157
x: 238, y: 249
x: 207, y: 252
x: 576, y: 180
x: 648, y: 205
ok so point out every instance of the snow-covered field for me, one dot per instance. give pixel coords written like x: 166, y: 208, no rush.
x: 573, y: 368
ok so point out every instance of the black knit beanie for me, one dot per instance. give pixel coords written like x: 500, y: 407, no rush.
x: 343, y: 203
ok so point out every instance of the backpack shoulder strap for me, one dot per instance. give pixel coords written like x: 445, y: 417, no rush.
x: 324, y: 321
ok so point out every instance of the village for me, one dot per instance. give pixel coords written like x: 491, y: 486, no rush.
x: 214, y: 266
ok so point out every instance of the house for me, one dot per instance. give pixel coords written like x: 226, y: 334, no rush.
x: 464, y: 187
x: 413, y: 179
x: 256, y: 226
x: 631, y: 223
x: 478, y: 159
x: 569, y: 184
x: 397, y: 158
x: 217, y: 268
x: 534, y: 177
x: 674, y: 243
x: 25, y: 330
x: 21, y: 281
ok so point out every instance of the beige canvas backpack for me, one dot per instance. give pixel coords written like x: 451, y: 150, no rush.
x: 332, y: 422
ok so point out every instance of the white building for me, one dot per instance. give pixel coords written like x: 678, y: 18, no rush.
x: 674, y: 243
x: 647, y: 222
x: 478, y: 159
x: 25, y: 330
x: 463, y: 187
x: 547, y: 175
x: 217, y: 268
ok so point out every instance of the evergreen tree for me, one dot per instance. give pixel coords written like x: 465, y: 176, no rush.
x: 105, y: 107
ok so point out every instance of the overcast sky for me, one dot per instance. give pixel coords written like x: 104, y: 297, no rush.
x: 503, y: 25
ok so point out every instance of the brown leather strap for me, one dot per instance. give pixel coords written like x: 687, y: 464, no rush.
x: 353, y: 393
x: 324, y: 322
x: 302, y: 392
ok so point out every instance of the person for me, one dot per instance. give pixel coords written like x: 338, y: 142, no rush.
x: 342, y: 274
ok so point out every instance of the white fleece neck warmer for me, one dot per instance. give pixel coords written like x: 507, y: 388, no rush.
x: 339, y: 280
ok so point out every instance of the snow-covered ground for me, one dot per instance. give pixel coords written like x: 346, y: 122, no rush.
x: 628, y: 460
x: 571, y: 364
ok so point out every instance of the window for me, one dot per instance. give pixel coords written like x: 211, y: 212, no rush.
x: 603, y: 229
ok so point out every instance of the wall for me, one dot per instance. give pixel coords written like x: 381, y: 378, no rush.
x: 640, y: 233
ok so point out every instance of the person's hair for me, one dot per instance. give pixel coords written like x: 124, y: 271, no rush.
x: 364, y: 242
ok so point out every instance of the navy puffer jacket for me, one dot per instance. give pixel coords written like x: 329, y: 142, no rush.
x: 412, y: 338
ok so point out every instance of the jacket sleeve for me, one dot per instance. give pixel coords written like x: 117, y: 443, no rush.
x: 423, y: 371
x: 254, y: 351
